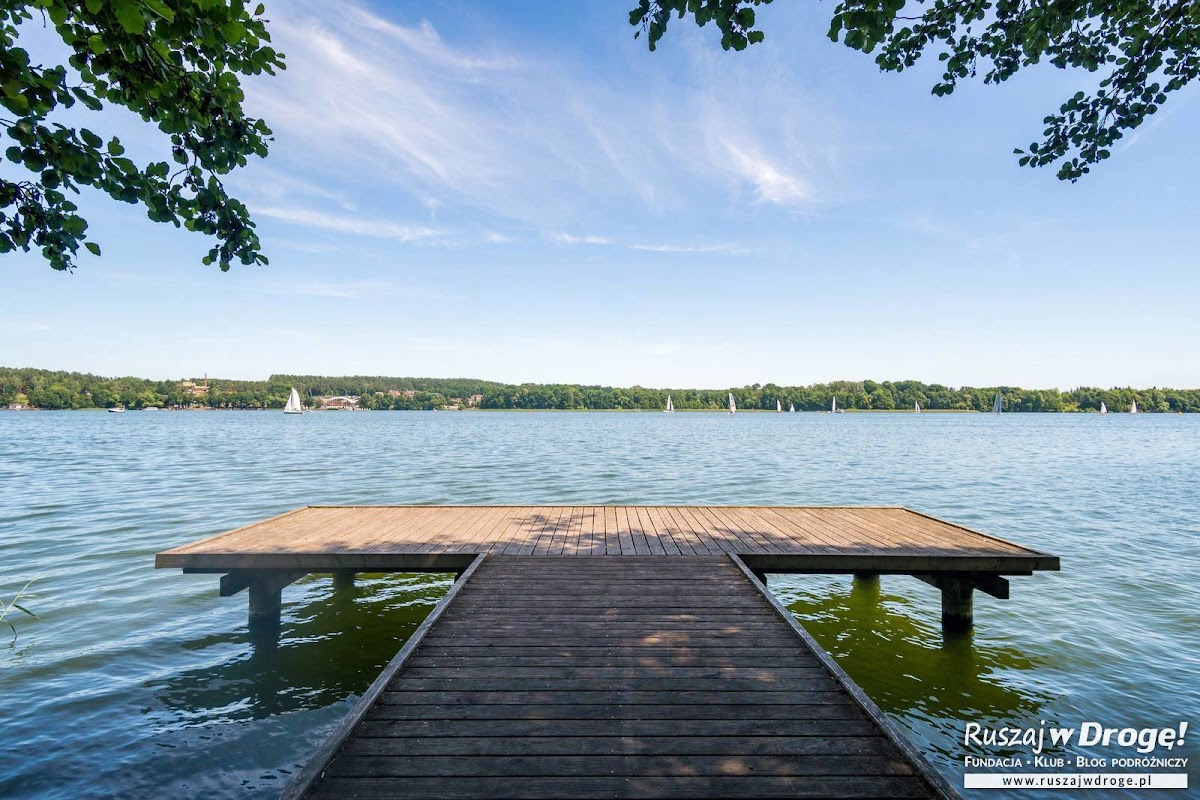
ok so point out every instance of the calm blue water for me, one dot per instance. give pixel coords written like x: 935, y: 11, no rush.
x: 138, y: 683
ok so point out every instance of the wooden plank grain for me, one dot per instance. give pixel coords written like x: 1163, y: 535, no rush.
x: 583, y: 788
x: 554, y: 675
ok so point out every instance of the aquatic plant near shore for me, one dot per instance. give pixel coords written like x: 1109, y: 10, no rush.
x: 6, y: 610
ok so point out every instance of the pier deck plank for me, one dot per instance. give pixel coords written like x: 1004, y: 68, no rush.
x: 549, y: 676
x: 779, y: 539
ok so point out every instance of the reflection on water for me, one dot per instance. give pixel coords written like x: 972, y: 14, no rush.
x: 235, y: 722
x: 328, y: 648
x: 894, y: 648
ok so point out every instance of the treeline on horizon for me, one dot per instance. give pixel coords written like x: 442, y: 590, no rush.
x: 74, y: 390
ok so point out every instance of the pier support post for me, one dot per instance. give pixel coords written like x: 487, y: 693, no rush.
x: 265, y: 605
x: 343, y: 580
x: 958, y: 604
x: 762, y: 576
x: 266, y: 587
x: 865, y: 587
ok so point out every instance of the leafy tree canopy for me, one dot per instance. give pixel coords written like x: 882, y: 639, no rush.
x: 1143, y: 49
x: 173, y: 62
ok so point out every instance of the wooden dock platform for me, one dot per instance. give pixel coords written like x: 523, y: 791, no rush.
x: 611, y: 651
x: 268, y: 555
x: 614, y: 677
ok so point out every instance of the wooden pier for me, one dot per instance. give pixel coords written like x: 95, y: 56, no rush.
x: 612, y: 651
x: 268, y: 555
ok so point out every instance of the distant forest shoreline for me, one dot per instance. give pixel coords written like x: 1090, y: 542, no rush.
x: 38, y: 388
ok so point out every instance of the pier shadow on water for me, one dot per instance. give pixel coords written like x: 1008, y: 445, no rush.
x: 330, y: 645
x: 890, y: 642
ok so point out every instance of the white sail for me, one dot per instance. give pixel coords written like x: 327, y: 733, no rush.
x: 997, y: 404
x: 732, y: 405
x: 778, y: 406
x: 1103, y: 408
x: 293, y: 403
x: 791, y: 408
x: 833, y: 406
x: 670, y: 409
x: 1133, y: 408
x: 917, y: 407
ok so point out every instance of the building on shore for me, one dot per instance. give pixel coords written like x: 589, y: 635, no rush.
x: 339, y: 403
x: 194, y: 389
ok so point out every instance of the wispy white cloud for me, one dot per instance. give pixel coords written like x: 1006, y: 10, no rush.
x: 566, y: 238
x: 353, y: 290
x: 728, y: 249
x: 771, y: 182
x: 424, y: 40
x: 358, y: 226
x: 519, y: 134
x: 677, y: 248
x: 277, y: 185
x: 16, y: 326
x: 307, y: 247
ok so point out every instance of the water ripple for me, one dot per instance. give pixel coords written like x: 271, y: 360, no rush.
x: 143, y: 683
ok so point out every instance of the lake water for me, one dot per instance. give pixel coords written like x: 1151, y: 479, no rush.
x: 140, y: 683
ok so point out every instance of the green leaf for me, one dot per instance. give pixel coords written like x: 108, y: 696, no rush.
x: 93, y: 247
x: 160, y: 8
x: 22, y: 608
x: 129, y: 14
x: 97, y: 45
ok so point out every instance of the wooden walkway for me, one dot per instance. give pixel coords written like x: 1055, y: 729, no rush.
x: 631, y: 677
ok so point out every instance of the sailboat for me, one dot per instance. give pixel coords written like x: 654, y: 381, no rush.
x: 833, y: 409
x: 670, y: 409
x: 917, y: 408
x: 778, y: 407
x: 293, y: 403
x: 1133, y: 408
x: 1103, y: 408
x: 732, y: 405
x: 997, y: 404
x: 791, y: 408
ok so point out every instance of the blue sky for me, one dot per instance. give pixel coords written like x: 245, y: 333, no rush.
x: 522, y: 192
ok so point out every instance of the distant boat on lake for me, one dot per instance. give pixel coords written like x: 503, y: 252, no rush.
x: 1103, y: 408
x: 833, y: 409
x: 997, y: 404
x: 1133, y: 408
x: 917, y: 408
x: 670, y: 409
x: 117, y: 410
x: 791, y: 408
x: 293, y: 403
x: 778, y: 407
x: 732, y: 405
